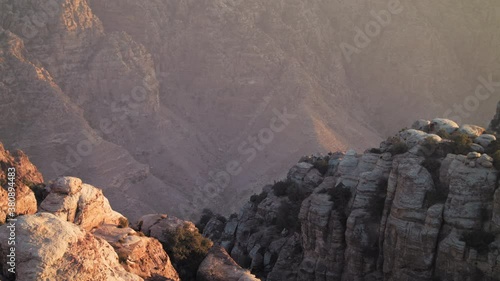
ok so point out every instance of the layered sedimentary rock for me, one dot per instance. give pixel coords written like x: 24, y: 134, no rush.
x: 52, y: 249
x: 420, y: 207
x: 151, y: 100
x: 73, y: 233
x: 140, y: 255
x: 79, y: 203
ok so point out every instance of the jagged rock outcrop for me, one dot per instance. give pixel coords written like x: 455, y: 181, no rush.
x: 79, y: 203
x: 138, y: 254
x: 219, y: 266
x: 421, y: 207
x: 25, y: 177
x: 50, y: 248
x: 75, y: 235
x: 160, y: 226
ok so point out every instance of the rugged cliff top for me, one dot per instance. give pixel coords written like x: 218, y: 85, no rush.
x: 425, y: 205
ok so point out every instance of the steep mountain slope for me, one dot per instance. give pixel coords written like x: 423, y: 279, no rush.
x: 40, y: 118
x: 171, y: 93
x: 420, y: 207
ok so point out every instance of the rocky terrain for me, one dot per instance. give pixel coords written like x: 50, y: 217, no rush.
x: 153, y: 100
x: 423, y: 206
x: 67, y: 230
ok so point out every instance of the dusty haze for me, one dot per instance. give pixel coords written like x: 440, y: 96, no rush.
x: 155, y: 101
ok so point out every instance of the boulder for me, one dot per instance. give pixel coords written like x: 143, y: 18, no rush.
x: 79, y: 203
x: 161, y: 226
x: 485, y: 140
x: 27, y: 177
x: 140, y: 255
x: 54, y: 249
x: 219, y: 266
x: 421, y: 125
x: 299, y: 171
x: 477, y: 148
x: 447, y: 125
x: 472, y: 131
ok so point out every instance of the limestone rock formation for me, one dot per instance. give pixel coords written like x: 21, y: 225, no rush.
x: 420, y: 207
x: 138, y: 254
x: 147, y: 99
x: 79, y: 203
x: 160, y: 226
x: 49, y: 248
x: 219, y: 266
x: 75, y: 235
x: 26, y: 179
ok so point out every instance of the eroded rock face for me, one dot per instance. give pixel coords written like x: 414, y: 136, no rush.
x: 138, y: 254
x: 161, y: 226
x: 383, y: 215
x: 219, y: 266
x: 26, y: 177
x: 495, y: 123
x: 79, y: 203
x: 50, y: 248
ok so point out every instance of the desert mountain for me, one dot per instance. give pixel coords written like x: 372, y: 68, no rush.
x: 173, y: 106
x: 424, y: 205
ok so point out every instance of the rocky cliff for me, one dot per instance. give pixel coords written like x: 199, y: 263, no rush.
x: 152, y: 101
x: 495, y: 123
x: 66, y: 230
x: 422, y: 206
x: 75, y: 235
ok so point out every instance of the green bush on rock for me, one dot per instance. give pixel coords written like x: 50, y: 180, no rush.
x: 187, y: 249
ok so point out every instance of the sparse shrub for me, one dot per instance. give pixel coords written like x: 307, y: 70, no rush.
x: 280, y: 187
x: 122, y: 222
x: 321, y: 165
x: 376, y: 206
x: 479, y: 240
x: 493, y: 147
x: 432, y: 165
x: 375, y: 150
x: 435, y: 196
x: 288, y: 216
x: 256, y: 199
x: 295, y: 194
x: 461, y: 143
x: 444, y: 134
x: 397, y: 146
x: 496, y: 159
x: 221, y: 218
x: 187, y: 249
x: 38, y: 189
x: 429, y: 146
x: 206, y: 216
x: 340, y: 197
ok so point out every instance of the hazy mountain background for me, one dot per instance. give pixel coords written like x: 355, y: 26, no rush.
x: 149, y: 99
